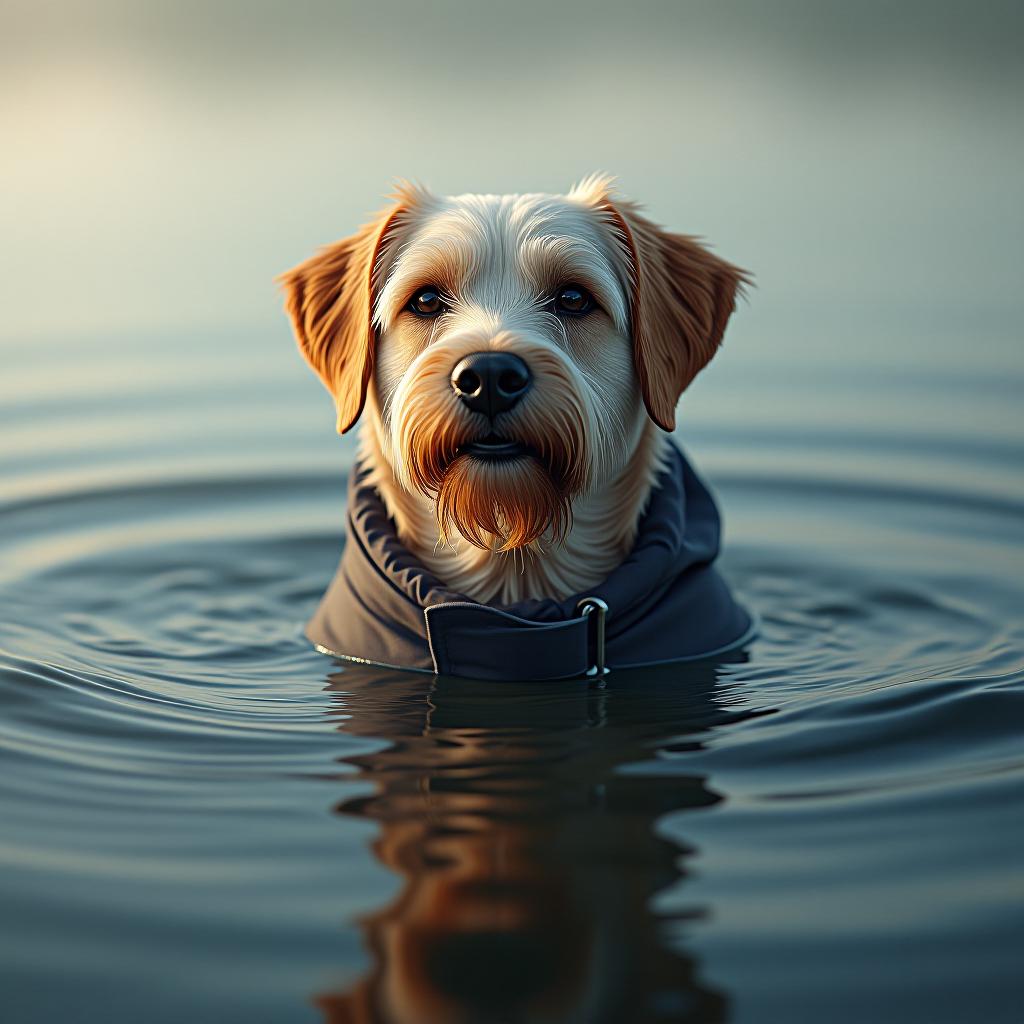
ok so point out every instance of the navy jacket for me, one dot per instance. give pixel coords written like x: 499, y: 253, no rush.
x: 666, y: 601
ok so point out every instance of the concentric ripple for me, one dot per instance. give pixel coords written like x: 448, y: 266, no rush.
x: 203, y: 819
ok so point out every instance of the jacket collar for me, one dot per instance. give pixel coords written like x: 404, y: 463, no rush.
x: 665, y: 601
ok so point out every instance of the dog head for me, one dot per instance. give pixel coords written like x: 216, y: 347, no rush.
x: 512, y: 347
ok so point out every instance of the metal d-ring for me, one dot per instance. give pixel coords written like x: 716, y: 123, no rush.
x: 595, y: 632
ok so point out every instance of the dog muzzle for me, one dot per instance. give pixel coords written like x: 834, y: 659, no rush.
x: 665, y: 603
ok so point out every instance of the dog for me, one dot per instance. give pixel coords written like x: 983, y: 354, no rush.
x: 516, y: 361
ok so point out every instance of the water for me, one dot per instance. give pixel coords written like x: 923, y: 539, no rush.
x: 205, y: 820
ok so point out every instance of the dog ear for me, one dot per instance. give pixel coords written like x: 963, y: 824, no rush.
x: 329, y: 299
x: 682, y: 298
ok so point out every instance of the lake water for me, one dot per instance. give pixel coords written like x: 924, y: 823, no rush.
x: 203, y: 820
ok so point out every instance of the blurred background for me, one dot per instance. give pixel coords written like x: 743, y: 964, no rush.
x: 163, y: 161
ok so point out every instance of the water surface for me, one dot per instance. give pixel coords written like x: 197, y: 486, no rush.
x: 203, y: 819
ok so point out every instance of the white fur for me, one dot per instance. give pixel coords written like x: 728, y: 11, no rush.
x: 499, y: 259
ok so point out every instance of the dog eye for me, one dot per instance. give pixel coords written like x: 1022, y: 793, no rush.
x: 427, y: 302
x: 572, y: 300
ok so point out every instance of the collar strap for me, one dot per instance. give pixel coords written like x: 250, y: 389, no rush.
x: 469, y: 639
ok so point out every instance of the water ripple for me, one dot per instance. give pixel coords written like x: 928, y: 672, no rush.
x: 177, y: 757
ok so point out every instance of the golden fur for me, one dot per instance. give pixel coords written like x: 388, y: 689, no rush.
x: 557, y: 520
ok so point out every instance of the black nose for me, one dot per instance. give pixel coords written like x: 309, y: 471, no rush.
x: 490, y: 382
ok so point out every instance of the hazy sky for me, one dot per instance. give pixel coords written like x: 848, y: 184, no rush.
x: 162, y: 162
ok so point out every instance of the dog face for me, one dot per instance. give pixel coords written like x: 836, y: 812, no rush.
x: 513, y: 347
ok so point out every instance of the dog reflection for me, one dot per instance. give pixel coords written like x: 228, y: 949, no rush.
x: 529, y: 861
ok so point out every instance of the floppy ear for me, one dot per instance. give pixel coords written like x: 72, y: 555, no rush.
x: 329, y: 299
x: 682, y: 298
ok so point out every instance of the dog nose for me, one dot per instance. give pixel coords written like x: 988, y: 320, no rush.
x: 490, y: 382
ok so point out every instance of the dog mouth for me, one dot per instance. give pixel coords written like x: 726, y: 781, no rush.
x: 493, y: 448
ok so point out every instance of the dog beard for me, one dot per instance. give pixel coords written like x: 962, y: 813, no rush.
x: 495, y: 504
x: 503, y: 504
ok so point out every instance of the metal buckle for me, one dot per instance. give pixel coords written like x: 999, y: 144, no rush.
x: 595, y: 632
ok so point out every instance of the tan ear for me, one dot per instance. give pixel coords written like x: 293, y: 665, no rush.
x: 329, y: 299
x: 682, y: 298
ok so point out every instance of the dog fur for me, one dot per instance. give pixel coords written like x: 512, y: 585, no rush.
x: 553, y: 522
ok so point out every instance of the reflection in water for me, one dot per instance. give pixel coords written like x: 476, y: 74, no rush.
x: 529, y: 859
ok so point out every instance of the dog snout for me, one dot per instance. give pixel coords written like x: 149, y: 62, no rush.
x: 490, y: 382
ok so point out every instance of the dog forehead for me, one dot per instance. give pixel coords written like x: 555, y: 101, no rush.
x: 503, y: 242
x: 516, y: 218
